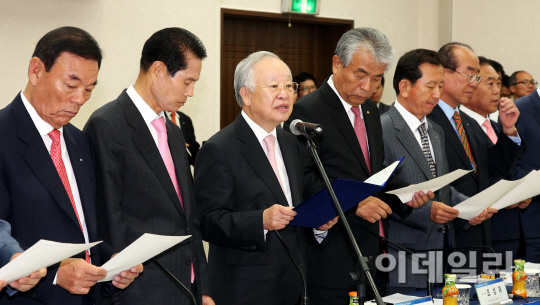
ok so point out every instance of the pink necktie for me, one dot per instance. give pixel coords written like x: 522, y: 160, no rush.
x: 490, y: 132
x: 164, y: 151
x: 270, y: 142
x: 56, y: 155
x: 360, y: 130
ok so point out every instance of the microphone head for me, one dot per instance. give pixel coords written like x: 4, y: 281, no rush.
x: 293, y: 129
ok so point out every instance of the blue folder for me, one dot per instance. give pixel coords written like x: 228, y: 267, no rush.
x: 319, y: 209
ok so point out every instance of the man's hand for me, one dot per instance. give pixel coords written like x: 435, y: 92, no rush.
x: 420, y: 198
x: 508, y: 116
x: 77, y: 276
x: 525, y: 203
x: 329, y: 224
x: 126, y: 277
x: 480, y: 218
x: 207, y: 300
x: 28, y: 282
x: 277, y: 217
x: 441, y: 213
x: 490, y: 212
x: 373, y: 209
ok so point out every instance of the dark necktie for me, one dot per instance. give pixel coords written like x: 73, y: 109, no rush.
x: 427, y: 151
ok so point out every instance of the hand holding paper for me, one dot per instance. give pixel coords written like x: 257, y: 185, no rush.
x: 28, y: 282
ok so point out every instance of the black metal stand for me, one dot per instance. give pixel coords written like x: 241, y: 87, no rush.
x: 311, y: 148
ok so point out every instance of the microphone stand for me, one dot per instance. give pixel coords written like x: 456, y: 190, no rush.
x: 312, y: 149
x: 429, y: 284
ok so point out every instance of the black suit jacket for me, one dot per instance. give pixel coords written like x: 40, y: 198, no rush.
x: 34, y: 201
x: 186, y: 125
x: 135, y: 195
x: 491, y: 161
x: 235, y: 183
x: 528, y: 126
x: 383, y: 108
x: 330, y: 262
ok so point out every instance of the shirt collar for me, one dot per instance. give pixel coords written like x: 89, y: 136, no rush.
x: 146, y: 111
x: 43, y: 127
x: 410, y: 118
x: 260, y: 133
x: 346, y: 105
x: 448, y: 110
x: 476, y: 116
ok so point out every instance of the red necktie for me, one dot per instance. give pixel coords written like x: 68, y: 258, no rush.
x: 463, y: 138
x: 56, y: 155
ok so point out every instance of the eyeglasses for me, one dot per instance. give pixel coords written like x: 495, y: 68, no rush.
x: 526, y: 82
x: 310, y: 88
x: 290, y: 87
x: 470, y: 78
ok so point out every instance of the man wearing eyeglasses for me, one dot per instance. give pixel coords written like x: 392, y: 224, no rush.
x: 466, y: 144
x: 521, y: 84
x: 248, y: 177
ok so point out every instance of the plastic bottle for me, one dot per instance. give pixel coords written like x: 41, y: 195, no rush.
x: 450, y: 291
x: 519, y: 277
x: 353, y: 298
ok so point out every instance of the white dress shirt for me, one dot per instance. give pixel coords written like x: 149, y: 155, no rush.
x: 413, y: 122
x: 348, y: 107
x: 148, y: 114
x: 476, y: 116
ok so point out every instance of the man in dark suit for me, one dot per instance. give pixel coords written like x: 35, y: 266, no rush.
x: 144, y: 183
x: 466, y: 145
x: 506, y: 224
x: 528, y: 127
x: 183, y: 121
x: 248, y: 177
x: 47, y: 187
x: 350, y: 148
x: 418, y: 82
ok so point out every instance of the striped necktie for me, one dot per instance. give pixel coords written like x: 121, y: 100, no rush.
x: 463, y: 137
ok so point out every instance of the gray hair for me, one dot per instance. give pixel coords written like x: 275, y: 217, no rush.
x: 244, y: 76
x: 368, y: 39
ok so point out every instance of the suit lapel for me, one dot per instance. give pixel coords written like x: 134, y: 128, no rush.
x: 407, y: 139
x: 289, y: 166
x: 344, y: 124
x: 436, y: 143
x: 147, y: 146
x: 177, y: 146
x: 39, y: 160
x: 450, y: 135
x: 255, y: 156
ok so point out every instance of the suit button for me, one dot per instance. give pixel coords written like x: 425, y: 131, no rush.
x: 188, y: 261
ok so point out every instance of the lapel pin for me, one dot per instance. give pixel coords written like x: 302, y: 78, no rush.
x: 81, y: 159
x: 368, y: 112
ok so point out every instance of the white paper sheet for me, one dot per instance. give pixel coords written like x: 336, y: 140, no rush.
x: 405, y: 194
x: 381, y: 177
x: 529, y: 188
x: 395, y: 298
x: 473, y: 206
x: 141, y: 250
x: 42, y: 254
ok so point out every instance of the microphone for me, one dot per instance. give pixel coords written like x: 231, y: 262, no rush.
x: 298, y: 127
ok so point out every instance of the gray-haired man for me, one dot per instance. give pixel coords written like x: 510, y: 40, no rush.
x: 351, y: 148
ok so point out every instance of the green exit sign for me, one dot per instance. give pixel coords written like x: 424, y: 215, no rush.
x: 301, y: 6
